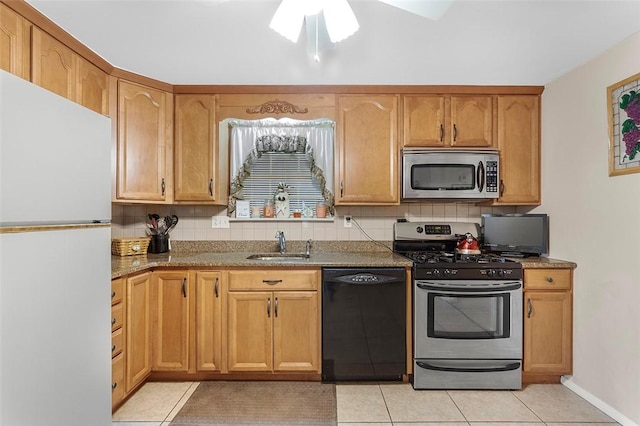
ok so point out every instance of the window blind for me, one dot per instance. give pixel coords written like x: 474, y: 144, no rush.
x: 293, y: 169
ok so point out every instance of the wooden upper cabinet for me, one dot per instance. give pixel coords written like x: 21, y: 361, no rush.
x: 196, y: 149
x: 471, y: 121
x: 143, y: 171
x: 367, y: 150
x: 446, y: 121
x: 54, y: 65
x: 519, y: 145
x: 92, y: 89
x: 15, y: 47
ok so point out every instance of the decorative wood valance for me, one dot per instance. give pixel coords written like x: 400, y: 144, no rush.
x: 277, y: 107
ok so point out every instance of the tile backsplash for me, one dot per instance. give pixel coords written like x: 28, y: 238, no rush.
x: 368, y: 222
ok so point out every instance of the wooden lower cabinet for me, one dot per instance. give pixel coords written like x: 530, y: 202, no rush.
x: 138, y: 330
x: 548, y: 324
x: 117, y: 342
x: 172, y: 306
x: 209, y: 294
x: 273, y: 321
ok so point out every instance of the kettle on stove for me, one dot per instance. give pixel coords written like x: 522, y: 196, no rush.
x: 468, y: 245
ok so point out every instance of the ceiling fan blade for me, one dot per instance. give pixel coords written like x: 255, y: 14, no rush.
x: 288, y: 19
x: 432, y: 9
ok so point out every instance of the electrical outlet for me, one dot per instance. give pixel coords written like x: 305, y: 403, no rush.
x: 219, y: 222
x: 347, y: 221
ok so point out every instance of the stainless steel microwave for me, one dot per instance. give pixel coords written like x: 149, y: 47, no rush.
x: 450, y: 174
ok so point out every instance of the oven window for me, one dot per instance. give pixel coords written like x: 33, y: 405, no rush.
x: 453, y: 316
x: 443, y: 177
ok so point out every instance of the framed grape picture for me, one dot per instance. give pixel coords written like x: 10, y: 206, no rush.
x: 623, y: 104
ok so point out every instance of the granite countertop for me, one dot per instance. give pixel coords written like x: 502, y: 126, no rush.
x: 229, y: 254
x: 545, y: 262
x: 234, y: 254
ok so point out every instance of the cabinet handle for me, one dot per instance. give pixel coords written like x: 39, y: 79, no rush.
x: 341, y: 189
x: 163, y: 187
x: 216, y: 287
x: 113, y: 321
x: 211, y: 187
x: 113, y: 294
x: 269, y: 308
x: 275, y: 308
x: 441, y: 132
x: 455, y: 132
x: 113, y: 386
x: 271, y: 282
x: 550, y: 280
x: 184, y: 287
x: 501, y: 187
x: 529, y: 308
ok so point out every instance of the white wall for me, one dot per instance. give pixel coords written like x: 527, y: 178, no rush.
x: 595, y: 221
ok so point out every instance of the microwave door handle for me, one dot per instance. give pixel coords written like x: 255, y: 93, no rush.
x: 480, y: 176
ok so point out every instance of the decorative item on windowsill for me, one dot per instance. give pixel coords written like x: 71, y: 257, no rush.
x: 281, y: 199
x: 159, y: 229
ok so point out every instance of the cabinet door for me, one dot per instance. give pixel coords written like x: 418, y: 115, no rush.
x: 547, y: 332
x: 296, y: 331
x: 171, y: 309
x: 471, y: 121
x: 143, y: 143
x: 195, y: 148
x: 424, y: 121
x: 138, y: 330
x: 54, y: 65
x: 15, y: 47
x: 519, y: 145
x: 367, y: 150
x: 250, y: 336
x: 92, y: 90
x: 208, y: 321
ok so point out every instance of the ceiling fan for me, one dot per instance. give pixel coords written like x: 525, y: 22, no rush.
x: 338, y: 16
x: 333, y: 20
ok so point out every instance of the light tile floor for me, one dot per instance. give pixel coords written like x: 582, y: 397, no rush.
x: 156, y: 404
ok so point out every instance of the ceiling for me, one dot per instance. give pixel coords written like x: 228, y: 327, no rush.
x: 479, y: 42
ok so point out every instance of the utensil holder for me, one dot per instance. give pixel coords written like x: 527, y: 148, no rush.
x: 159, y: 243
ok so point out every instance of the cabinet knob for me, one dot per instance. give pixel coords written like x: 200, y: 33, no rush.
x: 113, y: 348
x: 549, y: 279
x: 113, y: 294
x: 113, y: 321
x: 113, y: 386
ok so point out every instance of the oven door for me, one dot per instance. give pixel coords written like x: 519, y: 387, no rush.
x: 476, y: 319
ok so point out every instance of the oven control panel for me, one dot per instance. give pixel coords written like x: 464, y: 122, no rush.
x: 478, y: 273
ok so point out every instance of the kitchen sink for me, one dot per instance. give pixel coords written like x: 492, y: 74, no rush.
x: 278, y: 257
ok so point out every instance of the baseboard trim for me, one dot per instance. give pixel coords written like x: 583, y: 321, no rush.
x: 597, y: 402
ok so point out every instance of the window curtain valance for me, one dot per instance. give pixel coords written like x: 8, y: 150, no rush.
x: 249, y: 139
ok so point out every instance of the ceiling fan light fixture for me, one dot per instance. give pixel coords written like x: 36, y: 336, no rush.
x: 288, y: 19
x: 340, y: 20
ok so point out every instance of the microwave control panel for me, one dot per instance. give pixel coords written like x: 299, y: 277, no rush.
x: 492, y: 176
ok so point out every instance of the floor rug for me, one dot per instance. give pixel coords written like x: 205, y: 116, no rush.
x: 260, y: 403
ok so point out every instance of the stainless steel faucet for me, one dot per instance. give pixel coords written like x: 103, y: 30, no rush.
x: 282, y: 242
x: 307, y: 251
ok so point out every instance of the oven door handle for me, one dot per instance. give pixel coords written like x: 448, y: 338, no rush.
x: 509, y: 367
x: 502, y: 287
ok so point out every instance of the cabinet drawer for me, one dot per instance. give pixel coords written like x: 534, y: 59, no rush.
x: 117, y: 379
x: 117, y: 291
x: 117, y: 339
x: 117, y: 314
x: 276, y: 279
x: 547, y: 279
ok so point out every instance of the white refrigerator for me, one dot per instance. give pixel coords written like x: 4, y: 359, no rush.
x: 55, y: 212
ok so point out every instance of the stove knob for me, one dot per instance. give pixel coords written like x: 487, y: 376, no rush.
x: 419, y: 229
x: 500, y: 272
x: 435, y: 272
x: 446, y: 272
x: 490, y: 272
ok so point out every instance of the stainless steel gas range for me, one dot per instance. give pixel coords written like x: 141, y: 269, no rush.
x: 467, y: 314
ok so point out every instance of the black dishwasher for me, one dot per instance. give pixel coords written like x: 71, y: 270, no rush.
x: 363, y: 324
